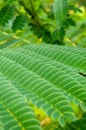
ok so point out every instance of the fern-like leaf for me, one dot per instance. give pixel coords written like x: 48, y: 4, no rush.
x: 6, y: 14
x: 46, y: 76
x: 17, y: 107
x: 19, y: 22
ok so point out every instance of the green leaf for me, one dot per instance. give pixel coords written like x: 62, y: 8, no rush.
x: 62, y: 121
x: 60, y: 9
x: 82, y: 42
x: 71, y: 22
x: 75, y: 9
x: 45, y: 76
x: 19, y: 22
x: 6, y: 14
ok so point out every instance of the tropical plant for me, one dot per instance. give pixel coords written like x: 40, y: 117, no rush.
x: 76, y: 35
x: 47, y: 22
x: 49, y: 79
x: 42, y: 87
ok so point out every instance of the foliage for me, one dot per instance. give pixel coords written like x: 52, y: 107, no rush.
x: 76, y: 35
x: 46, y: 21
x: 42, y: 87
x: 45, y: 77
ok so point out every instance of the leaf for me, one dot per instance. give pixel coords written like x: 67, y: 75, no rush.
x: 42, y: 76
x: 71, y: 22
x: 82, y: 43
x: 60, y: 9
x: 75, y: 9
x: 6, y: 13
x: 19, y: 22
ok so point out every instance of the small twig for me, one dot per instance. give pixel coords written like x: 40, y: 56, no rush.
x: 31, y: 11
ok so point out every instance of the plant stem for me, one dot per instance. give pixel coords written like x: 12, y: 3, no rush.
x: 31, y: 11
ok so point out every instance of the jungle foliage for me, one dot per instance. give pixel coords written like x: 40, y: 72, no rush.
x: 51, y: 21
x: 42, y: 82
x: 42, y: 85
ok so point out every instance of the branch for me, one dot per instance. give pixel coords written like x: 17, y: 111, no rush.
x: 31, y: 11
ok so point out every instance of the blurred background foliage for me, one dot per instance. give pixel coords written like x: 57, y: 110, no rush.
x: 33, y: 21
